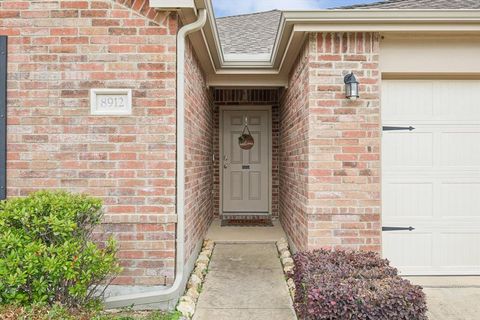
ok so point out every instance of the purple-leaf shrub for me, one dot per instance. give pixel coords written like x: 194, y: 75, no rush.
x: 353, y: 285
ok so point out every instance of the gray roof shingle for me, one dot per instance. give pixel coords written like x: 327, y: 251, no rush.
x: 418, y: 4
x: 249, y: 33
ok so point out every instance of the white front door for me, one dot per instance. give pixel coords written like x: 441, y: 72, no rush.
x: 246, y: 173
x: 431, y: 176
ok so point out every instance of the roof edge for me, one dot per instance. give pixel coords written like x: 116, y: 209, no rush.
x: 248, y: 14
x: 294, y: 25
x: 360, y: 5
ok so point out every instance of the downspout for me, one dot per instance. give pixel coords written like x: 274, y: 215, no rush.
x: 173, y: 292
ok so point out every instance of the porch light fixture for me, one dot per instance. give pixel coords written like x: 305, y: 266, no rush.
x: 351, y: 87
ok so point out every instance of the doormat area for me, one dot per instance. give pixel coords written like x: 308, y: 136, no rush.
x: 246, y: 222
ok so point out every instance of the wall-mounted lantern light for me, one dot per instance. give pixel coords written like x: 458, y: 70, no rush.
x: 351, y: 86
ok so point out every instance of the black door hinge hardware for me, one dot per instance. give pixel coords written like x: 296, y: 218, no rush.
x: 397, y: 228
x: 398, y: 128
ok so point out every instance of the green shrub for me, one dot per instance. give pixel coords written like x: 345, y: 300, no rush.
x: 46, y: 252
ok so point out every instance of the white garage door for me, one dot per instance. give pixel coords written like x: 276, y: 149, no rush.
x: 431, y: 176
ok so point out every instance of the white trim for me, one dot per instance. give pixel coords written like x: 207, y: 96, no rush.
x: 389, y: 26
x: 172, y: 4
x: 260, y: 81
x: 270, y: 149
x: 261, y: 57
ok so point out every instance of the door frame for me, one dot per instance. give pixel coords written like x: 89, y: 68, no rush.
x: 224, y: 108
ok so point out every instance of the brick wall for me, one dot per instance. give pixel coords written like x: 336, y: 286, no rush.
x: 293, y: 150
x: 253, y: 97
x: 58, y: 50
x: 340, y: 177
x: 198, y: 153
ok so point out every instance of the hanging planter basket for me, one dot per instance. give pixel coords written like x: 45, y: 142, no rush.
x: 246, y: 141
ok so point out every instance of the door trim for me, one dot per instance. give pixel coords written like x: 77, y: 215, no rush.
x: 222, y: 109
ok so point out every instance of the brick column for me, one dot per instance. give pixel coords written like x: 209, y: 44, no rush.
x: 293, y: 152
x: 344, y: 143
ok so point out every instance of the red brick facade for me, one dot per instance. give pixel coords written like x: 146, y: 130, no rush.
x: 199, y: 131
x: 58, y: 50
x: 325, y: 149
x: 334, y: 165
x: 293, y: 150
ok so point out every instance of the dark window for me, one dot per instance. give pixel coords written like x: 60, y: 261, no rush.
x: 3, y: 117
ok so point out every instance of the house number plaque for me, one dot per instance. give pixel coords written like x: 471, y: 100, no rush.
x: 111, y: 102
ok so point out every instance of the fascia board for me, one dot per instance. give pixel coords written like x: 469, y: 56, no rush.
x: 389, y: 27
x: 245, y: 64
x: 246, y: 80
x: 211, y: 34
x: 295, y: 43
x: 240, y: 57
x: 385, y: 20
x: 282, y: 41
x: 172, y: 4
x: 372, y: 15
x: 255, y: 71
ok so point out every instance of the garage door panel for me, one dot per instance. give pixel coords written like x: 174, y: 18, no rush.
x: 460, y: 148
x: 460, y: 199
x: 431, y: 176
x: 407, y: 100
x: 457, y: 249
x: 407, y: 199
x: 408, y: 149
x: 454, y: 100
x: 430, y: 100
x: 409, y: 249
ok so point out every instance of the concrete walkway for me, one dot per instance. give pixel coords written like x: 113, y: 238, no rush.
x: 245, y: 282
x: 451, y: 298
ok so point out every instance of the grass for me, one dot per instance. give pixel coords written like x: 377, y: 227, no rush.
x: 60, y: 313
x: 132, y: 315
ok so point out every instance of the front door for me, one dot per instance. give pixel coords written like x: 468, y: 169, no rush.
x: 246, y: 173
